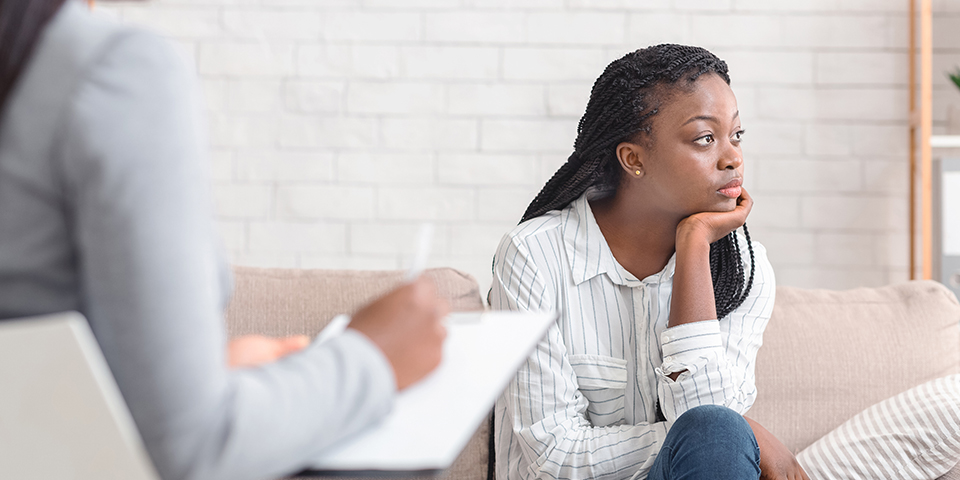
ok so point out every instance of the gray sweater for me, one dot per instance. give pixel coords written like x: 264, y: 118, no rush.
x: 104, y: 209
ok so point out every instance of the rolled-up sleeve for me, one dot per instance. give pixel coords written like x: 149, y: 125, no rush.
x: 717, y: 358
x: 684, y: 344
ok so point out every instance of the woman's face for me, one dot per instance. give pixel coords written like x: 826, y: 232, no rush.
x: 694, y: 163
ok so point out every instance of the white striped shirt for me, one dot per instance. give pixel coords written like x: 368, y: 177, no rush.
x: 584, y: 404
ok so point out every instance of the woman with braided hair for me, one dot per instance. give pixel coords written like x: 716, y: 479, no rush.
x: 662, y: 302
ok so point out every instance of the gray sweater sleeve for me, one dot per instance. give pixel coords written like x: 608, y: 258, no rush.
x: 131, y: 155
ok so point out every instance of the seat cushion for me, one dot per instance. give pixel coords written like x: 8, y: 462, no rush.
x: 828, y: 355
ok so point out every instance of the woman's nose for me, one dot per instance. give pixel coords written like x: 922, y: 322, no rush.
x: 731, y: 157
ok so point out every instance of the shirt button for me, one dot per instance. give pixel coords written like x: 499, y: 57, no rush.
x: 667, y: 359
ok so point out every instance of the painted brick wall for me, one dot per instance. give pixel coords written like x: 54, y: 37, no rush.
x: 338, y: 126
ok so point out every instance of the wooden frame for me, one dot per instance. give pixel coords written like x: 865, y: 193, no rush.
x: 924, y: 120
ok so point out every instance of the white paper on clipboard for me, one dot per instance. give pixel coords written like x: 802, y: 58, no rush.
x: 433, y: 420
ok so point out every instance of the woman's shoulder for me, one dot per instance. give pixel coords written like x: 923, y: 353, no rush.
x: 78, y: 46
x: 531, y: 253
x: 542, y: 228
x: 77, y: 39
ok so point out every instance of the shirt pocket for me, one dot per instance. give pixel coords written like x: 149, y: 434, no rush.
x: 603, y: 381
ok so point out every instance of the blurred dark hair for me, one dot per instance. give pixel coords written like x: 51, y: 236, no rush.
x: 21, y: 22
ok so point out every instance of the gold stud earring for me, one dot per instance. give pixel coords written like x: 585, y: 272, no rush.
x: 637, y: 172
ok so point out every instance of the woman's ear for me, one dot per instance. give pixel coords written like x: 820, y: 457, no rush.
x: 631, y: 157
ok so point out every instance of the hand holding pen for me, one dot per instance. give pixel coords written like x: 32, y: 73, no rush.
x: 407, y: 323
x: 419, y: 261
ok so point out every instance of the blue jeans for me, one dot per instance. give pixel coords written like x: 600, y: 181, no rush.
x: 710, y: 443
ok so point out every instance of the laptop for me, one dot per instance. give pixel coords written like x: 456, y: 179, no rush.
x: 61, y: 413
x: 432, y: 421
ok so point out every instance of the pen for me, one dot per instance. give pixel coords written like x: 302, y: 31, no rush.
x: 424, y: 242
x: 334, y: 328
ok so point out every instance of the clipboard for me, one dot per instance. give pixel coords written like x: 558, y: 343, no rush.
x: 432, y: 421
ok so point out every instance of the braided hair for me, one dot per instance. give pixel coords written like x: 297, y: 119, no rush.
x: 625, y: 97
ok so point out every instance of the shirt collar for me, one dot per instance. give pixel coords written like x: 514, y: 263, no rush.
x: 589, y: 253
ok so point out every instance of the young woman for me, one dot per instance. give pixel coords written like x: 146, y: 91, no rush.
x: 662, y: 301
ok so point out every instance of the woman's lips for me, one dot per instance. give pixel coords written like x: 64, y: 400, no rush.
x: 731, y: 189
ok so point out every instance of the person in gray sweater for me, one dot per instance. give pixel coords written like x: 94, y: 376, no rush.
x: 104, y: 209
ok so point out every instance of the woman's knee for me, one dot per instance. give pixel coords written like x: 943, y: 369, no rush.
x: 709, y: 442
x: 712, y: 415
x: 715, y: 423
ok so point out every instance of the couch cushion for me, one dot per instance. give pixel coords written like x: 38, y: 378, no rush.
x: 953, y: 474
x: 281, y: 302
x: 827, y: 355
x: 912, y: 436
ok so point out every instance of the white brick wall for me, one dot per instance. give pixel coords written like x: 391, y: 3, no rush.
x: 395, y: 98
x: 246, y: 58
x: 337, y: 126
x: 296, y: 201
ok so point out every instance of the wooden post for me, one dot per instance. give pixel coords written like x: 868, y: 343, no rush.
x: 914, y: 117
x: 926, y: 129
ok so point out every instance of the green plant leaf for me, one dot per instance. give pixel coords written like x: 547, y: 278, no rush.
x: 955, y: 77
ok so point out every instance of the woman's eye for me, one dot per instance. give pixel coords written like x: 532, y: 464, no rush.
x: 737, y: 137
x: 704, y: 141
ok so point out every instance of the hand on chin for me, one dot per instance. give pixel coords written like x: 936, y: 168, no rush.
x: 712, y: 226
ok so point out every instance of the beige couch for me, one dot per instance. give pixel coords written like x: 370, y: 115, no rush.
x: 826, y: 355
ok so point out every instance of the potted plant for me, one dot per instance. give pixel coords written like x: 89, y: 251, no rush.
x: 953, y: 112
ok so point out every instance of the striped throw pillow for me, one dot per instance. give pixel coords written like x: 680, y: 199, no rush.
x: 914, y: 435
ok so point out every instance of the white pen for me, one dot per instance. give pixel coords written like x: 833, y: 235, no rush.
x: 334, y: 328
x: 424, y: 242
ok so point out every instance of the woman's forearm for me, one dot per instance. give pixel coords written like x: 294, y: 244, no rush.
x: 692, y: 299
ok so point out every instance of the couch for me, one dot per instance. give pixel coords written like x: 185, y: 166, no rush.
x: 826, y: 355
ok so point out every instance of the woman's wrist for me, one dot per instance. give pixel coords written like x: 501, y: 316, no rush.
x: 690, y: 238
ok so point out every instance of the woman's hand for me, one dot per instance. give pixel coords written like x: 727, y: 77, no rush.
x: 713, y: 226
x: 776, y: 462
x: 256, y: 350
